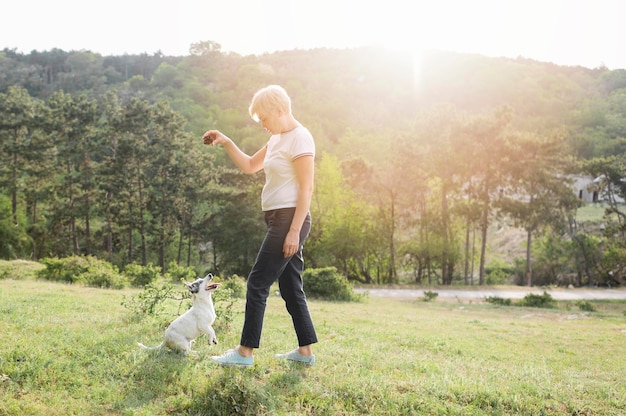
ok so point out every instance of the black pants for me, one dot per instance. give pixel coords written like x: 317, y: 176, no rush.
x: 271, y: 265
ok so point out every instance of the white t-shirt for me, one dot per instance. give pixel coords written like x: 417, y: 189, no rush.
x: 281, y: 185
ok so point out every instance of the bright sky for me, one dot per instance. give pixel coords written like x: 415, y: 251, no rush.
x: 589, y: 33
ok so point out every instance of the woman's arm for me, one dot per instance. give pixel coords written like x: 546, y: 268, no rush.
x: 248, y: 164
x: 304, y: 167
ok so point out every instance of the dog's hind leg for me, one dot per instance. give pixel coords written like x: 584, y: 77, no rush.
x: 177, y: 342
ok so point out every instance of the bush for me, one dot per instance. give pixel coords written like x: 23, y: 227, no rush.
x: 66, y: 270
x: 150, y: 300
x: 538, y: 301
x: 224, y: 300
x: 327, y: 284
x: 141, y: 276
x: 498, y: 273
x: 87, y: 270
x: 105, y: 275
x: 237, y: 285
x: 177, y: 273
x: 585, y: 305
x: 430, y: 295
x: 496, y: 300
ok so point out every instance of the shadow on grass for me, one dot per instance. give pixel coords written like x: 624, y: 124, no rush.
x: 153, y: 373
x: 248, y: 391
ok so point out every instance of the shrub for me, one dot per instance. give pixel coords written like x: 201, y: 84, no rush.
x: 223, y: 300
x: 66, y: 270
x: 87, y: 270
x: 538, y: 301
x: 496, y: 300
x: 585, y: 305
x: 140, y: 276
x: 150, y: 300
x: 105, y: 275
x: 429, y: 295
x: 327, y: 284
x: 177, y: 273
x: 498, y: 273
x: 237, y: 285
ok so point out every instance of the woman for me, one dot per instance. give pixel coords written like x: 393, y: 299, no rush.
x: 287, y: 160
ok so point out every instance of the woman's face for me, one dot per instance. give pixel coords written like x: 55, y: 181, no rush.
x: 270, y: 122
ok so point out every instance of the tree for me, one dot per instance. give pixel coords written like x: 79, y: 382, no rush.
x: 132, y: 158
x: 72, y: 123
x: 538, y: 194
x: 14, y: 241
x: 163, y: 175
x: 17, y: 118
x: 231, y: 224
x: 344, y: 228
x: 109, y: 127
x: 444, y: 168
x: 485, y: 154
x: 205, y: 48
x: 609, y: 183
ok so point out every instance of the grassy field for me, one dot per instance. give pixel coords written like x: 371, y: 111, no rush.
x: 71, y: 350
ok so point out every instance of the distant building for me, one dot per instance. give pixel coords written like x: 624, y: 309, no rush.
x: 590, y: 189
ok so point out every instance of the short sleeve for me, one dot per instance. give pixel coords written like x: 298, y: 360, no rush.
x: 302, y: 145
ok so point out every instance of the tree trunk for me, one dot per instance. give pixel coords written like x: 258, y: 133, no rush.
x: 529, y: 272
x: 87, y: 228
x: 73, y: 234
x: 446, y: 277
x: 162, y: 243
x: 109, y: 228
x: 14, y: 189
x: 483, y: 247
x: 189, y: 240
x: 86, y: 172
x: 392, y: 249
x: 142, y: 226
x: 467, y: 249
x: 131, y: 253
x: 179, y: 252
x: 473, y: 255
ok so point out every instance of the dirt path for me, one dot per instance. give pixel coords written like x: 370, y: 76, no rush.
x: 508, y: 293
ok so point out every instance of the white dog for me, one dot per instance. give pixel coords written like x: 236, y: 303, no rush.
x: 198, y: 320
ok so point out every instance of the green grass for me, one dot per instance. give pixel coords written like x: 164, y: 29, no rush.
x: 72, y: 350
x: 19, y: 269
x: 591, y: 212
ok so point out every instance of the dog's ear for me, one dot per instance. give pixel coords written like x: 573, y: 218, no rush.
x: 193, y: 287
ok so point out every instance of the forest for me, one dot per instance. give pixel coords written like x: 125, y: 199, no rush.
x: 419, y: 160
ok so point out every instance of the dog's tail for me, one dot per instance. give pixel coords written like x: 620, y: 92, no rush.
x: 158, y: 347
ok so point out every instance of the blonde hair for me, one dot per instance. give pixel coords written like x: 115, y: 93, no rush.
x: 269, y: 99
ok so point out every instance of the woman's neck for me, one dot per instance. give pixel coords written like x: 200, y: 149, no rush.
x: 290, y: 124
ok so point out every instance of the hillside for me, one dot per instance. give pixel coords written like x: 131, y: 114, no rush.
x: 102, y: 154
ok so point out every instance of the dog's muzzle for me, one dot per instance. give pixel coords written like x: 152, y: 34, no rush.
x: 209, y: 285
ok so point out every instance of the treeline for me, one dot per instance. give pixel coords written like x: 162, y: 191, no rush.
x: 101, y: 156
